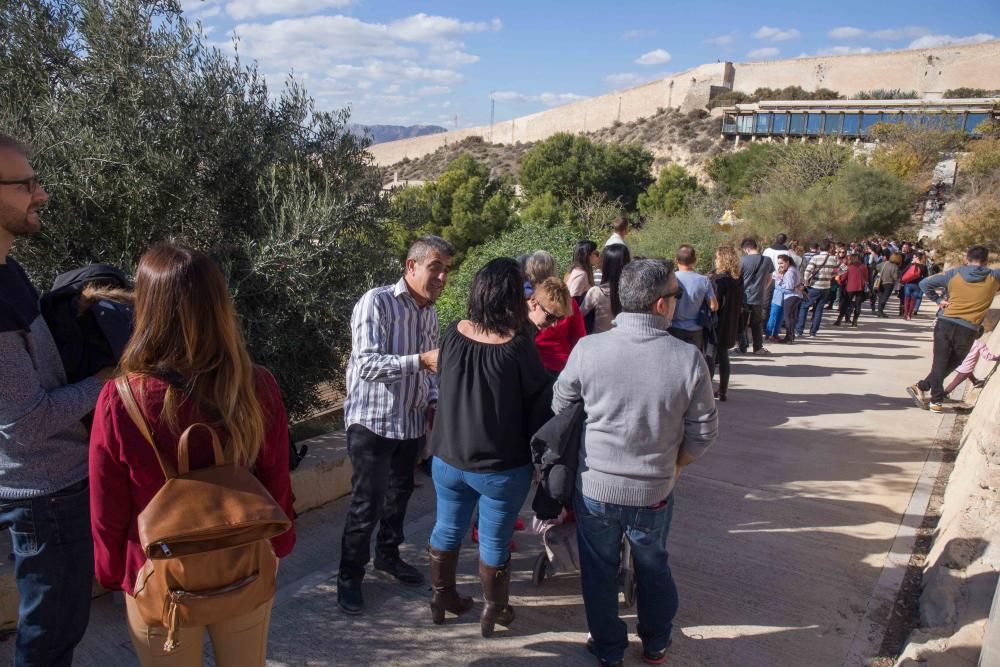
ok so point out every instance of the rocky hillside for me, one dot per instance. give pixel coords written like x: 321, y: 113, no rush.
x: 687, y: 138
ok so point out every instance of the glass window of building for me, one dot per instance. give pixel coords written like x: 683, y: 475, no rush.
x: 779, y: 123
x: 892, y: 118
x: 797, y: 124
x: 729, y: 123
x: 951, y: 121
x: 868, y: 120
x: 762, y: 124
x: 744, y: 124
x: 832, y: 124
x: 852, y: 121
x: 814, y: 123
x: 972, y: 120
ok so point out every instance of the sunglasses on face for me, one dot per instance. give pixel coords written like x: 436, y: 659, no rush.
x: 550, y: 318
x: 676, y: 294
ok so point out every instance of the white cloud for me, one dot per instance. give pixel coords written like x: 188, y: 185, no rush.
x: 769, y: 34
x: 896, y: 34
x: 430, y: 91
x: 548, y: 99
x: 887, y: 34
x: 637, y: 34
x: 763, y: 54
x: 424, y: 28
x: 451, y: 57
x: 846, y: 32
x: 201, y: 9
x: 247, y: 9
x: 720, y: 40
x: 657, y: 57
x: 844, y: 50
x: 930, y: 41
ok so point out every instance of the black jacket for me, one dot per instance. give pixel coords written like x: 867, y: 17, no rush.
x: 555, y: 449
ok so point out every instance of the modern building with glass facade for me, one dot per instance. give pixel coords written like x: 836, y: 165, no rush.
x: 850, y: 119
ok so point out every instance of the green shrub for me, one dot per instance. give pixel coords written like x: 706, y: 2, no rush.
x: 967, y: 93
x: 522, y: 240
x: 661, y: 235
x: 670, y: 194
x: 463, y: 205
x: 886, y: 94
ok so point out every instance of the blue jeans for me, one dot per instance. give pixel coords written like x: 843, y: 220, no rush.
x: 913, y: 290
x: 54, y: 569
x: 774, y: 321
x: 599, y: 530
x: 500, y: 496
x: 814, y: 297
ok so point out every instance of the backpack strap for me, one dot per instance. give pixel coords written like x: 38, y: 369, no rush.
x: 135, y: 413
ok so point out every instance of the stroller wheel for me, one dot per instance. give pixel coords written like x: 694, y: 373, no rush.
x: 540, y: 568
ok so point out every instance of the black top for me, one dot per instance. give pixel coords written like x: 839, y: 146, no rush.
x: 491, y: 400
x: 729, y: 292
x: 18, y: 298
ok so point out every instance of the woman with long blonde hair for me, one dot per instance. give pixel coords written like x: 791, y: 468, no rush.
x: 729, y: 291
x: 185, y: 363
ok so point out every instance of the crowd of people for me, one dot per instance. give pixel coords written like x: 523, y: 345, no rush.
x: 109, y: 475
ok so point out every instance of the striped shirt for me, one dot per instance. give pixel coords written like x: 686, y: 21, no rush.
x: 819, y: 272
x: 387, y: 392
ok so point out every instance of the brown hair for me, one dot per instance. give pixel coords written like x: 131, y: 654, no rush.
x: 541, y: 265
x: 726, y: 259
x: 896, y: 259
x: 620, y: 224
x: 186, y: 324
x: 686, y: 256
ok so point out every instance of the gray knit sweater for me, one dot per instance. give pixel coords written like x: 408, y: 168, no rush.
x: 647, y: 395
x: 43, y: 444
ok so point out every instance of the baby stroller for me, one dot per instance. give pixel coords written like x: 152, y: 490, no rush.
x: 562, y: 555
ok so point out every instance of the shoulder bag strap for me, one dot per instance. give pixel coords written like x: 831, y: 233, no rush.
x: 135, y: 413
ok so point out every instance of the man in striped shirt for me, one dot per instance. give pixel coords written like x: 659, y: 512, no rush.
x: 817, y: 278
x: 391, y: 394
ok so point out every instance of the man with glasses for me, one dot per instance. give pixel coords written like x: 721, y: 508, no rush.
x: 44, y: 496
x: 638, y: 435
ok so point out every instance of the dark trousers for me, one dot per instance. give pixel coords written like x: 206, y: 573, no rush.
x: 952, y: 343
x: 54, y: 570
x: 600, y: 528
x: 850, y: 305
x: 696, y: 338
x: 752, y: 315
x: 720, y: 358
x: 381, y: 483
x: 884, y: 292
x: 791, y: 316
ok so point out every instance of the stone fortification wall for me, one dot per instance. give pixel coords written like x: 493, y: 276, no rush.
x: 930, y: 72
x: 962, y: 568
x: 684, y: 91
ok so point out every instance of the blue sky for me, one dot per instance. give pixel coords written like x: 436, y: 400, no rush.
x: 432, y: 62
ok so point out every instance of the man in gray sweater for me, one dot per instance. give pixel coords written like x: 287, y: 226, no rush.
x: 641, y: 429
x: 44, y: 497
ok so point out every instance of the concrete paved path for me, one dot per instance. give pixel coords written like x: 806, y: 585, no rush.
x: 780, y: 539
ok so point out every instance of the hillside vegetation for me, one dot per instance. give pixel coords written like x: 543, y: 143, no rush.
x: 690, y: 139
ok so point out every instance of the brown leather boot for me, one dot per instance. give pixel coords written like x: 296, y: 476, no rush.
x: 444, y: 564
x: 496, y: 594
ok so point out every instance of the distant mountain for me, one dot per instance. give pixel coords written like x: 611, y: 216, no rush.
x: 382, y: 133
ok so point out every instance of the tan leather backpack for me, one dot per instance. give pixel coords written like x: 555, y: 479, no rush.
x: 206, y: 536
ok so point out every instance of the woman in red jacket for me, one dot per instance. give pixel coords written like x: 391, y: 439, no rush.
x: 853, y: 282
x: 557, y: 341
x: 186, y: 362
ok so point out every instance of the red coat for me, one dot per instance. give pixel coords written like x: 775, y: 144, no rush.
x: 554, y: 343
x: 125, y: 475
x: 857, y: 277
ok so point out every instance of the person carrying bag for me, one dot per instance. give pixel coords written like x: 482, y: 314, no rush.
x: 191, y: 503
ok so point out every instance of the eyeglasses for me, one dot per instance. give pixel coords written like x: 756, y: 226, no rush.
x: 676, y: 294
x: 31, y: 184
